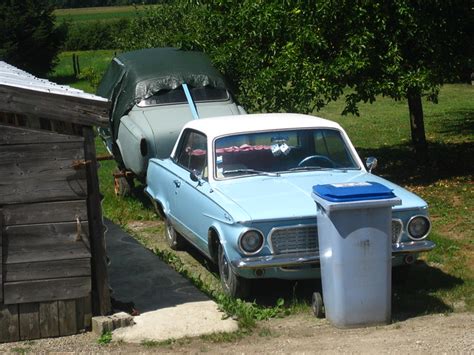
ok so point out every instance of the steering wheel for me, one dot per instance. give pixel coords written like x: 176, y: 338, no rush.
x: 317, y: 157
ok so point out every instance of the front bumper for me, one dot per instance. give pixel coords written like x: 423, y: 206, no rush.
x: 299, y: 259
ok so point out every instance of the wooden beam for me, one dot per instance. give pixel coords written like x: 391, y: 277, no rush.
x: 46, y: 290
x: 1, y: 255
x: 100, y: 281
x: 46, y: 212
x: 60, y: 107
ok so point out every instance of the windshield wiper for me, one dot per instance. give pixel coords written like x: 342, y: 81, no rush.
x: 308, y: 168
x: 249, y: 171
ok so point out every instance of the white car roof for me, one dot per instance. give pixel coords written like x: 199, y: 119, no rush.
x: 218, y: 126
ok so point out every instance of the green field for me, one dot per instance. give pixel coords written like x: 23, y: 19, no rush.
x: 87, y: 14
x: 442, y: 282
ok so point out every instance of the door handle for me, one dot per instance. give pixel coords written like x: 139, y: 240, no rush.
x: 177, y: 183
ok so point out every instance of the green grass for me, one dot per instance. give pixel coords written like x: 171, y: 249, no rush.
x: 109, y: 13
x: 92, y: 65
x: 444, y: 280
x: 105, y: 338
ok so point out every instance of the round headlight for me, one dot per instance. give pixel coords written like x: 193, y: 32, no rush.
x: 418, y: 227
x: 251, y: 242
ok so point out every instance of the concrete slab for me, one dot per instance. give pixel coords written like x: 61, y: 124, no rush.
x: 169, y: 305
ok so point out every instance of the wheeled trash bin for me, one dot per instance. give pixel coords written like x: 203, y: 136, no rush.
x: 355, y: 248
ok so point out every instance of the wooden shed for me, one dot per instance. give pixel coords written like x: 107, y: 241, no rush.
x: 53, y: 268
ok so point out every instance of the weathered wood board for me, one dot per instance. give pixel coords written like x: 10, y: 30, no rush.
x: 45, y: 234
x: 67, y: 317
x: 41, y: 172
x: 9, y: 323
x: 47, y: 212
x: 20, y: 135
x: 46, y: 290
x: 29, y: 321
x: 47, y: 270
x: 48, y: 319
x: 60, y: 251
x: 61, y: 107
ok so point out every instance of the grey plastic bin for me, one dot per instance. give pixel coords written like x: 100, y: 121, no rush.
x: 354, y: 227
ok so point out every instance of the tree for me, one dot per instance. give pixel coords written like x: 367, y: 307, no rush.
x: 297, y: 55
x: 28, y: 36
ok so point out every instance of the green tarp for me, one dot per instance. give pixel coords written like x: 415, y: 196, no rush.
x: 137, y: 75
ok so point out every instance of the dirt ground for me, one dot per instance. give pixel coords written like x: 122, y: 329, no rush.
x: 300, y: 333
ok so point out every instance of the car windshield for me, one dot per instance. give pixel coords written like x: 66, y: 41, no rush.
x: 177, y: 96
x: 281, y: 152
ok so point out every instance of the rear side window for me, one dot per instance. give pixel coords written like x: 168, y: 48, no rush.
x: 192, y: 153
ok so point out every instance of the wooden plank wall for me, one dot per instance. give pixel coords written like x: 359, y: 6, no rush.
x: 45, y: 257
x: 44, y: 319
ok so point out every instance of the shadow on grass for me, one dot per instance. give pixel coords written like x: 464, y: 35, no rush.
x: 413, y: 289
x: 64, y: 79
x: 400, y: 164
x: 463, y: 126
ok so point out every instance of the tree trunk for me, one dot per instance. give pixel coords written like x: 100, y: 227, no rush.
x: 417, y: 126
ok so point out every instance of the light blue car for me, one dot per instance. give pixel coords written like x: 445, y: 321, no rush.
x: 239, y: 189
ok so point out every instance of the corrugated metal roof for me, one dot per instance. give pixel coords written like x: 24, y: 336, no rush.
x: 12, y: 76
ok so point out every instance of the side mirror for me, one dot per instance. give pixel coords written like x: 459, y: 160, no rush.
x: 196, y: 177
x: 371, y: 163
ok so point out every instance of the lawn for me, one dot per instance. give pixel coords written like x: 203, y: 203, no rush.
x: 98, y: 13
x: 443, y: 281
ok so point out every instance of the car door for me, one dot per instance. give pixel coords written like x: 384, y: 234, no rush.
x: 191, y: 198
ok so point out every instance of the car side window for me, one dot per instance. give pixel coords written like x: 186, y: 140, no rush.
x: 192, y: 154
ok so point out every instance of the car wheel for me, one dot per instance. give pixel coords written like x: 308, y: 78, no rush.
x: 122, y: 185
x: 317, y: 305
x: 233, y: 285
x: 174, y: 239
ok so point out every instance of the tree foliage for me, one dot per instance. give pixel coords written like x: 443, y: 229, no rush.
x: 297, y: 55
x: 28, y: 36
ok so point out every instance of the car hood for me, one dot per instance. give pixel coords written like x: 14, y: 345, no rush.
x: 288, y: 196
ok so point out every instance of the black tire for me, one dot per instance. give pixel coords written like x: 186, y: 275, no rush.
x: 122, y: 185
x: 174, y: 239
x: 233, y: 285
x: 317, y: 305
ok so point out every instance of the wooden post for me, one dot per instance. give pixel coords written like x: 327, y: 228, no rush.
x: 74, y: 64
x: 101, y: 304
x: 1, y: 256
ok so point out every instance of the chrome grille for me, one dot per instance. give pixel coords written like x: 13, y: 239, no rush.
x: 294, y: 239
x: 397, y: 227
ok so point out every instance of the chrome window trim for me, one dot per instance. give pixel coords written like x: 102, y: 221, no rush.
x: 240, y: 239
x: 399, y: 236
x: 426, y: 234
x: 270, y: 234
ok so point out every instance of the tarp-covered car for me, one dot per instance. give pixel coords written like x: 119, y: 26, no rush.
x: 154, y: 92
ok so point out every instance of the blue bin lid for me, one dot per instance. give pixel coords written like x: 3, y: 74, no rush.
x: 353, y: 191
